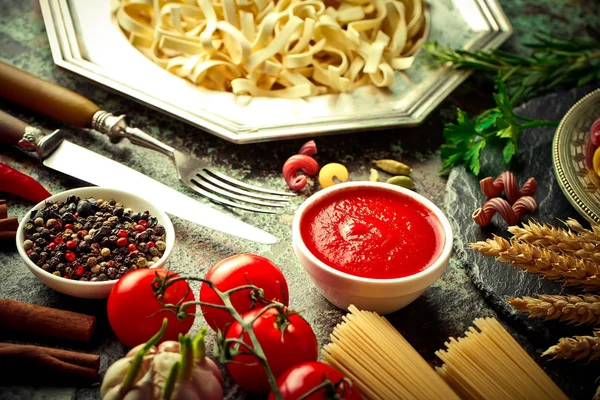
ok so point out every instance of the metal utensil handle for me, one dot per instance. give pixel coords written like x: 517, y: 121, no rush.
x: 45, y: 97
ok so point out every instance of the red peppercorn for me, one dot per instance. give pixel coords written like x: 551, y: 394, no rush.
x: 76, y: 215
x: 67, y: 277
x: 71, y: 244
x: 110, y: 264
x: 79, y: 270
x: 52, y: 246
x: 28, y: 252
x: 143, y: 223
x: 58, y: 240
x: 69, y: 226
x: 139, y: 228
x: 70, y: 256
x: 81, y: 234
x: 131, y: 247
x: 121, y: 242
x: 151, y: 244
x: 122, y: 233
x: 58, y: 224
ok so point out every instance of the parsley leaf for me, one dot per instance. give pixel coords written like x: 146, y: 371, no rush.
x: 466, y: 139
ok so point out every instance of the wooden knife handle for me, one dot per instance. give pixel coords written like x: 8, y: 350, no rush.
x: 46, y: 98
x: 11, y: 129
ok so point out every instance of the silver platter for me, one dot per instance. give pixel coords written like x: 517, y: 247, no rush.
x: 85, y: 39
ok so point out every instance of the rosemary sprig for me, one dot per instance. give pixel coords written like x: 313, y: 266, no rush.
x: 554, y: 63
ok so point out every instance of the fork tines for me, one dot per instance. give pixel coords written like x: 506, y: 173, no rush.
x: 232, y: 192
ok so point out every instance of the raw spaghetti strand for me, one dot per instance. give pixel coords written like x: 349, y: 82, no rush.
x: 507, y: 182
x: 369, y: 350
x: 489, y: 364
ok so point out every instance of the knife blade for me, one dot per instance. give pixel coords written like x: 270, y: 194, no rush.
x: 66, y: 157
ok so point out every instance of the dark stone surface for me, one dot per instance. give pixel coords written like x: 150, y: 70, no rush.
x: 498, y: 281
x: 446, y: 309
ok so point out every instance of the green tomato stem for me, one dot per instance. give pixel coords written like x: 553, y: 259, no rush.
x: 187, y: 358
x: 161, y: 284
x: 199, y: 346
x: 136, y: 364
x: 171, y: 380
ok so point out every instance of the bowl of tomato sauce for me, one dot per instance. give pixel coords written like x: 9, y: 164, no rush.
x: 374, y: 245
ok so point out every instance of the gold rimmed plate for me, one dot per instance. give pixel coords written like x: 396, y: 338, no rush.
x: 572, y: 154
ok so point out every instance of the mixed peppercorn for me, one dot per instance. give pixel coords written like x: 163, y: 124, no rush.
x: 92, y: 239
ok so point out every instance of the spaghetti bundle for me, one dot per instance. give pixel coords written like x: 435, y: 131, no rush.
x: 490, y: 364
x: 374, y: 355
x: 278, y: 48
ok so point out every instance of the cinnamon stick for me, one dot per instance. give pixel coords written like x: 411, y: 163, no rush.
x: 45, y: 321
x: 8, y: 236
x: 35, y: 361
x: 9, y: 224
x: 3, y: 209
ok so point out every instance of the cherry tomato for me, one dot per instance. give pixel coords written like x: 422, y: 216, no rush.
x: 240, y: 270
x: 295, y: 345
x: 301, y: 379
x: 133, y: 308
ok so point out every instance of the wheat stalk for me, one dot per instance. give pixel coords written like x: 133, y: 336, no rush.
x: 557, y: 239
x: 592, y: 235
x: 576, y: 348
x: 574, y: 309
x: 571, y: 270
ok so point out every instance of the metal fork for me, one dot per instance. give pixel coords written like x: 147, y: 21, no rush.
x: 193, y: 172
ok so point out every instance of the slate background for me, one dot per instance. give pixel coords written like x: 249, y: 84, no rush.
x: 446, y: 309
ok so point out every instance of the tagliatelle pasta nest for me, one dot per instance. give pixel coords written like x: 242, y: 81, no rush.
x: 284, y: 48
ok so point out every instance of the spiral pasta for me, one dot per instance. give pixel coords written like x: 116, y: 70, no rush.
x: 507, y: 182
x: 512, y: 215
x: 278, y: 48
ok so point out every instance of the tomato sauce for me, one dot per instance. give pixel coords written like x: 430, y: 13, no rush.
x: 372, y: 233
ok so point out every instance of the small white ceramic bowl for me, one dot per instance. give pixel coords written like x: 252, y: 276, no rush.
x: 380, y: 295
x: 94, y: 290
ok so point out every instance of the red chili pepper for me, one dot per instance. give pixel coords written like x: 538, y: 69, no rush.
x: 19, y: 184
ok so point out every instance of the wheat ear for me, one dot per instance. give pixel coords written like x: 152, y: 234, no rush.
x: 592, y: 235
x: 571, y: 270
x: 574, y: 309
x: 576, y: 348
x: 556, y: 239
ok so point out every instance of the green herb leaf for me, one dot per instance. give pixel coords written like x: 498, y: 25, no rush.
x: 472, y: 156
x: 509, y: 150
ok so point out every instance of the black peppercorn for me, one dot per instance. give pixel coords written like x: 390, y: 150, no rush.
x: 84, y: 246
x: 102, y: 277
x: 33, y: 256
x: 40, y: 242
x: 159, y: 230
x: 84, y: 208
x: 141, y: 237
x: 118, y: 212
x: 136, y: 216
x: 68, y: 218
x: 29, y: 228
x: 112, y: 273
